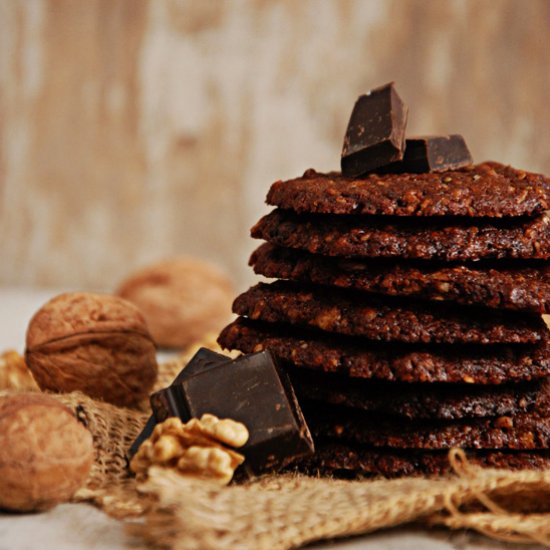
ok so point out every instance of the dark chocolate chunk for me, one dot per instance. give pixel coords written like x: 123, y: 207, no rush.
x: 202, y: 360
x: 376, y: 131
x: 435, y: 154
x: 145, y: 434
x: 253, y: 390
x: 168, y: 401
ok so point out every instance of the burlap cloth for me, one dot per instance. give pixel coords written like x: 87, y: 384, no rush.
x: 287, y: 511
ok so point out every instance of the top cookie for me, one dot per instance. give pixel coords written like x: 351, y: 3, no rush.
x: 488, y: 189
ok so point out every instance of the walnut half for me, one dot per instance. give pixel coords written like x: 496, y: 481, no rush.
x: 197, y: 449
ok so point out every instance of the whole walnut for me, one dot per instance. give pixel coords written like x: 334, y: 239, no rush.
x: 182, y: 300
x: 95, y: 343
x: 45, y: 453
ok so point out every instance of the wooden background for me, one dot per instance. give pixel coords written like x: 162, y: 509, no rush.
x: 133, y: 130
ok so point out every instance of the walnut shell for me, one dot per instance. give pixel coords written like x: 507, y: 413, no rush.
x: 94, y: 343
x: 45, y: 453
x: 182, y: 300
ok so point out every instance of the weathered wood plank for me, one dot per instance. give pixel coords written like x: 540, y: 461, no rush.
x: 134, y: 129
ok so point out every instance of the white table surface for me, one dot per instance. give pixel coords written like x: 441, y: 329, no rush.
x: 81, y: 526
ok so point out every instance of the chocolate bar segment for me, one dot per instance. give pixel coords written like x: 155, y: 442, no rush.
x: 375, y: 135
x: 202, y: 360
x: 434, y: 154
x: 145, y: 434
x: 253, y: 390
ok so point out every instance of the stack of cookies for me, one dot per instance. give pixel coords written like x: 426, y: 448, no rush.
x: 408, y: 314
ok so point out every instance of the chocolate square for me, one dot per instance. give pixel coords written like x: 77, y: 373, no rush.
x: 253, y: 390
x: 375, y: 135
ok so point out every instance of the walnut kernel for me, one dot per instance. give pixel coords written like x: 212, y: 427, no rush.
x: 196, y: 449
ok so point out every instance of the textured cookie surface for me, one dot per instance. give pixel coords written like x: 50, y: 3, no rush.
x: 357, y: 314
x: 524, y: 288
x: 488, y: 189
x: 333, y: 458
x: 522, y: 431
x: 414, y: 238
x: 418, y: 400
x: 407, y: 363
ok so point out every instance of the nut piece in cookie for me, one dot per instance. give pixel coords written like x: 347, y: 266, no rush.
x: 94, y: 343
x: 45, y: 453
x: 199, y: 449
x: 182, y: 299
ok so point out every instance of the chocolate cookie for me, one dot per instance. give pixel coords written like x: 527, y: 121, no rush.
x: 333, y: 458
x: 488, y: 189
x: 487, y: 364
x: 440, y: 239
x: 418, y: 400
x: 523, y: 431
x: 523, y: 288
x: 385, y: 319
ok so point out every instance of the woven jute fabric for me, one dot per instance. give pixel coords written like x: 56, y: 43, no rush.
x: 280, y: 512
x: 290, y: 510
x: 287, y: 511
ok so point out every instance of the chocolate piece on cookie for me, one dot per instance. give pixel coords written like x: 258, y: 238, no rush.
x: 435, y: 154
x: 375, y: 135
x: 522, y: 431
x: 488, y: 189
x: 419, y: 400
x: 383, y: 318
x: 414, y: 238
x: 487, y: 364
x: 524, y: 287
x: 334, y: 458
